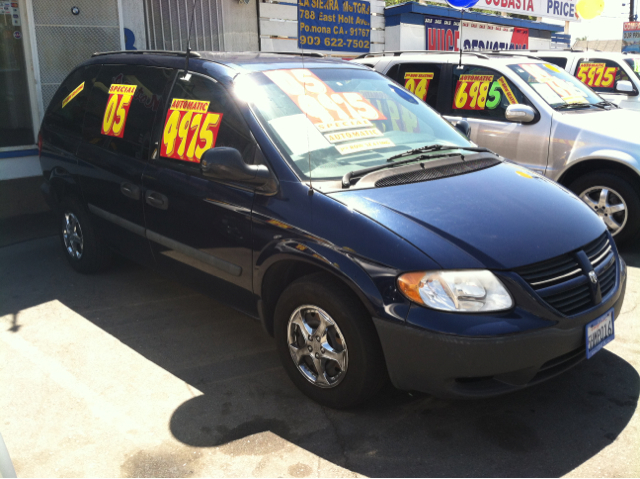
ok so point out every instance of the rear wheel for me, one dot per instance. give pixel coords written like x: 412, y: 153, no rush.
x: 327, y: 342
x: 82, y: 247
x: 614, y: 199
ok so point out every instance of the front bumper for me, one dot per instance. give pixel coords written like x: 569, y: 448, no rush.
x: 450, y: 365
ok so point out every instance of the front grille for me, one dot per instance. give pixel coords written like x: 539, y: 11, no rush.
x: 444, y: 171
x: 564, y: 285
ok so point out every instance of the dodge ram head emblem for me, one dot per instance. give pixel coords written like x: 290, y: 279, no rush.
x: 593, y: 277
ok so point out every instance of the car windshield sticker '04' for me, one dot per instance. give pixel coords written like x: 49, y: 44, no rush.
x: 418, y: 83
x: 472, y: 92
x: 117, y: 110
x: 597, y: 75
x: 73, y: 94
x: 329, y: 111
x: 189, y: 130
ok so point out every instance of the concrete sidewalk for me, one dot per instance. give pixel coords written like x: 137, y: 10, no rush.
x: 128, y: 374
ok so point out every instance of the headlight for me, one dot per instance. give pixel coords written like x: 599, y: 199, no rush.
x: 463, y: 291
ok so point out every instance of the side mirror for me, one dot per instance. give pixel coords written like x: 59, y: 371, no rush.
x: 463, y: 127
x: 223, y: 163
x: 624, y: 86
x: 520, y: 113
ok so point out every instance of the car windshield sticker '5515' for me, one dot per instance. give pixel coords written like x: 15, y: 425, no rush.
x: 115, y: 114
x: 189, y: 130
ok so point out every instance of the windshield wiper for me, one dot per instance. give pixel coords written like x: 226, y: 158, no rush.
x: 574, y: 106
x: 352, y: 175
x: 428, y: 148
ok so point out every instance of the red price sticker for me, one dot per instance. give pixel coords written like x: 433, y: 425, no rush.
x: 471, y: 92
x: 418, y: 83
x: 115, y: 114
x: 597, y: 75
x: 189, y: 130
x: 324, y: 107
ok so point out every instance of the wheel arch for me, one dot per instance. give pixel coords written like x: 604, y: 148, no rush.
x: 588, y: 166
x: 279, y: 272
x: 63, y: 184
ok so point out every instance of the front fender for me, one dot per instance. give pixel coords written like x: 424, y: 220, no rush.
x: 374, y: 284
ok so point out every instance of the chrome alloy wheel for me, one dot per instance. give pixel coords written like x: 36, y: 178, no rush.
x: 608, y: 205
x: 72, y: 235
x: 317, y: 346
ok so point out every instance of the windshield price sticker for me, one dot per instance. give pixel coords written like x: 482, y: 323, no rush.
x: 418, y: 83
x: 340, y: 136
x: 471, y: 92
x: 565, y: 90
x: 189, y: 130
x: 326, y: 109
x: 597, y: 75
x: 73, y: 94
x: 364, y: 145
x: 115, y: 114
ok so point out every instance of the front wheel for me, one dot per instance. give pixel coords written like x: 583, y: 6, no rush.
x: 327, y: 342
x: 614, y: 200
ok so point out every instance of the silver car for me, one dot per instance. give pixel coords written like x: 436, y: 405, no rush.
x: 535, y: 114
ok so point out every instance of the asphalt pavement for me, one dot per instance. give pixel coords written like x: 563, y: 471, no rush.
x: 129, y: 374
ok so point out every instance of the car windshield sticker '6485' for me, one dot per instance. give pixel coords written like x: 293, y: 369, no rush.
x: 115, y: 114
x: 189, y: 130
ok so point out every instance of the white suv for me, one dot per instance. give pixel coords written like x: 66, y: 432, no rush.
x: 615, y: 76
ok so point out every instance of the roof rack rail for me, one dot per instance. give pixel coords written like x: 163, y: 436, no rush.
x: 513, y: 54
x: 150, y: 52
x: 304, y: 54
x: 397, y: 53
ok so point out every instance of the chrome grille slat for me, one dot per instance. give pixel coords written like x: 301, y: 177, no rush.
x: 598, y: 260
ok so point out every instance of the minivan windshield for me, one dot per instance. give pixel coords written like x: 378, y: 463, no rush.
x: 330, y: 121
x: 634, y: 63
x: 556, y: 86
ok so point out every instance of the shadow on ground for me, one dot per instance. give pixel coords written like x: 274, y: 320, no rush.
x: 547, y: 430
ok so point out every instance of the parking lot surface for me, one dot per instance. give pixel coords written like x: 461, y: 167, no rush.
x: 130, y: 374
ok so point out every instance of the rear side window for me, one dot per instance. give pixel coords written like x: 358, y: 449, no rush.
x: 600, y: 75
x: 66, y: 110
x: 560, y: 61
x: 422, y: 79
x: 123, y: 106
x: 202, y: 115
x: 481, y: 92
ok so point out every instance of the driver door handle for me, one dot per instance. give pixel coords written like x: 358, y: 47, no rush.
x: 157, y: 200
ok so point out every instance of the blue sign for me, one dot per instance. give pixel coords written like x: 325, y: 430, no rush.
x: 442, y: 33
x: 341, y: 25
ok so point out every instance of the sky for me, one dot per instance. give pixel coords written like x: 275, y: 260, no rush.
x: 607, y: 26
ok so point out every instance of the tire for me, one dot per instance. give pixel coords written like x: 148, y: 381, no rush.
x: 352, y: 339
x: 81, y: 246
x: 621, y: 193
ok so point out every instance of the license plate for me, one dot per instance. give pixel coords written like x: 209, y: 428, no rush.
x: 599, y: 332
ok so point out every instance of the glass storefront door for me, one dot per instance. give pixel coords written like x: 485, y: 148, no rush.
x: 16, y: 127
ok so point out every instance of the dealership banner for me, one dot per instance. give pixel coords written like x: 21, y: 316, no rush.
x: 631, y: 37
x: 558, y: 9
x: 444, y: 34
x: 343, y: 25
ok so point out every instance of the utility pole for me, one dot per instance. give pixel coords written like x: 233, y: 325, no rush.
x: 632, y: 11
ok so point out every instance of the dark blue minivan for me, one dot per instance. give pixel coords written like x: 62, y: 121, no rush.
x: 370, y: 237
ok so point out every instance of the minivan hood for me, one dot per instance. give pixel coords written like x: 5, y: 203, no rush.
x: 499, y: 218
